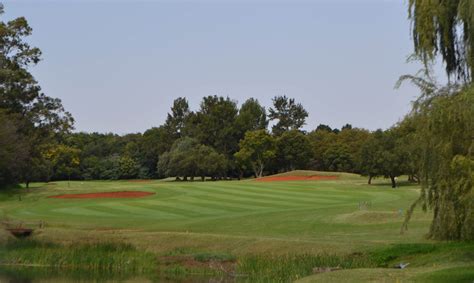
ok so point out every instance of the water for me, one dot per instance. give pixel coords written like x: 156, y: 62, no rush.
x: 47, y: 275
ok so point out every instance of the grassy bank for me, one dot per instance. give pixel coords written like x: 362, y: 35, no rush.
x: 119, y: 261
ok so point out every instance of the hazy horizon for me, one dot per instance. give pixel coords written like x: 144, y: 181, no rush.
x: 117, y: 67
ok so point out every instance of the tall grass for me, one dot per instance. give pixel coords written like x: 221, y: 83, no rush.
x: 286, y: 268
x: 100, y: 257
x: 122, y: 260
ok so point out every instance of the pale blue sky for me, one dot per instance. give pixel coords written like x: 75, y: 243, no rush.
x: 118, y: 65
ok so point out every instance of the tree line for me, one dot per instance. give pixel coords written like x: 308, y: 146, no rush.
x: 220, y: 140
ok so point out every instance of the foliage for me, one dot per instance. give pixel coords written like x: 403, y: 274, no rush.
x: 252, y: 116
x: 290, y: 115
x: 188, y: 158
x: 62, y: 160
x: 293, y: 150
x: 256, y: 150
x: 445, y: 28
x: 447, y: 161
x: 176, y: 120
x: 41, y: 119
x: 385, y: 155
x: 13, y: 153
x: 128, y: 168
x: 337, y: 158
x: 215, y: 124
x: 337, y: 150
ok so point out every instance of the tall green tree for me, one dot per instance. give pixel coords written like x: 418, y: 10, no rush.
x: 293, y: 150
x: 42, y: 118
x: 257, y: 149
x: 252, y: 116
x: 370, y: 160
x: 128, y: 167
x: 290, y: 115
x: 209, y: 162
x: 214, y: 124
x: 154, y: 142
x: 63, y: 160
x: 176, y: 120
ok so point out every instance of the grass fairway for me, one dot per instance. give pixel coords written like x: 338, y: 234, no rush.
x: 236, y: 217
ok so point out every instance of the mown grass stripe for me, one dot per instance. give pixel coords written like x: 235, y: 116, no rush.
x: 275, y: 197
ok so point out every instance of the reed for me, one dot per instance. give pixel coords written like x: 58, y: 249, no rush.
x: 106, y: 256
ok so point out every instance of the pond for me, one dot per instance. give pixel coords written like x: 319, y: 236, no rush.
x: 14, y: 274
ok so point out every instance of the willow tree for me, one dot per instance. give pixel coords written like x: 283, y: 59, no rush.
x: 445, y: 116
x: 445, y: 28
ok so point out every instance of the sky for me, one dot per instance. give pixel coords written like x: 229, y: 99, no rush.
x: 117, y: 66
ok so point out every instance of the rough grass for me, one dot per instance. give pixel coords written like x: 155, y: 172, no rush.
x: 427, y: 263
x: 93, y: 257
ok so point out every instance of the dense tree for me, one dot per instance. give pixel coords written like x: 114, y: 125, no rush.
x: 290, y: 115
x: 154, y: 142
x: 180, y: 160
x: 13, y: 154
x: 209, y: 162
x: 321, y: 140
x: 128, y: 167
x: 337, y: 150
x: 370, y: 161
x: 293, y: 150
x: 407, y: 146
x: 176, y: 120
x: 188, y: 158
x: 383, y: 156
x: 42, y: 119
x: 256, y: 150
x: 337, y: 158
x: 323, y: 127
x: 353, y: 139
x: 252, y: 116
x: 62, y: 160
x: 215, y: 124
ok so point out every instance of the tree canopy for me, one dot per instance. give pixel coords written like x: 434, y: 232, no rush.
x: 445, y: 28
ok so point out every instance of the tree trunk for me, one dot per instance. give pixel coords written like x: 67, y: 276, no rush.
x: 394, y: 184
x: 185, y: 178
x: 27, y: 184
x: 370, y: 180
x: 202, y: 178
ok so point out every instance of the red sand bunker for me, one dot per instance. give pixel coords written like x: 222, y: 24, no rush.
x: 296, y: 178
x: 106, y: 195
